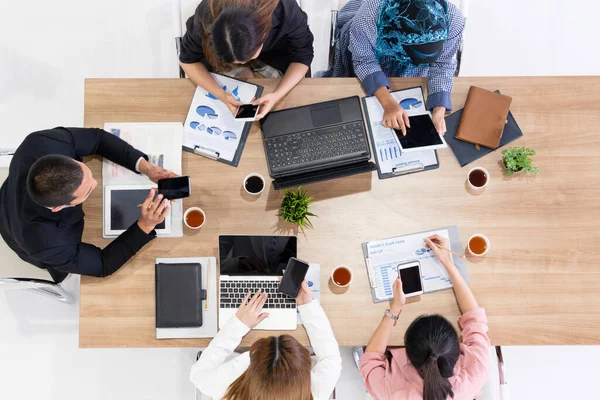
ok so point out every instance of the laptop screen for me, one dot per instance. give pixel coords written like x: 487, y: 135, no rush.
x: 255, y: 255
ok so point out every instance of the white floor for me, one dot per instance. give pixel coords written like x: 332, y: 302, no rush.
x: 48, y: 48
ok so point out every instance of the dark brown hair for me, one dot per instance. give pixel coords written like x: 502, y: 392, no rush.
x: 233, y: 30
x: 279, y: 370
x: 53, y: 179
x: 433, y: 348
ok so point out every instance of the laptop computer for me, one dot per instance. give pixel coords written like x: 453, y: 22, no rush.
x: 316, y: 142
x: 250, y: 263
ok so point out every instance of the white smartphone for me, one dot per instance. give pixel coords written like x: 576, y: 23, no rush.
x: 246, y: 112
x: 412, y: 280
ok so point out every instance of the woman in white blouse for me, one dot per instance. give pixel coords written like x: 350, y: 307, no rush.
x: 275, y: 368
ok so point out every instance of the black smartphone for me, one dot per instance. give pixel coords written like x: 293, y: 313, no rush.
x: 294, y: 274
x: 246, y: 112
x: 175, y: 188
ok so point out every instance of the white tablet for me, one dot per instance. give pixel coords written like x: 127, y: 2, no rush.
x: 421, y: 135
x: 121, y: 209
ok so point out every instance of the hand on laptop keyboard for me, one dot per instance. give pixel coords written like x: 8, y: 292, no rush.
x: 232, y: 294
x: 250, y: 311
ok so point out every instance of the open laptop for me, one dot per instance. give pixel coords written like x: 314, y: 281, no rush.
x: 250, y: 263
x: 316, y: 142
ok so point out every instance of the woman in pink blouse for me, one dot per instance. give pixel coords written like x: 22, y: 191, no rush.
x: 435, y: 365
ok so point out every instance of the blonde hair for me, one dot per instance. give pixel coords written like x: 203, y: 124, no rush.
x: 279, y: 369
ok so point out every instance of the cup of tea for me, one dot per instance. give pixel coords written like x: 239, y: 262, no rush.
x: 254, y: 184
x: 478, y: 245
x: 478, y: 178
x: 341, y: 276
x: 194, y: 218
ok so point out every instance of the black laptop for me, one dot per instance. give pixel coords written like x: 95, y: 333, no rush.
x: 316, y: 142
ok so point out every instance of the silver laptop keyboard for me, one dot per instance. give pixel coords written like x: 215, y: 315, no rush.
x: 321, y: 144
x: 233, y: 292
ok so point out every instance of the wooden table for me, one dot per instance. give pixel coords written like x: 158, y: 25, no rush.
x: 540, y: 282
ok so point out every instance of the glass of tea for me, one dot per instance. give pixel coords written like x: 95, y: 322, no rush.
x: 254, y: 184
x: 479, y: 245
x: 194, y: 218
x: 478, y: 178
x: 341, y: 276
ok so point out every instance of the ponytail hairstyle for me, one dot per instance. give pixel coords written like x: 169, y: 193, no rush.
x: 433, y: 348
x: 233, y: 30
x: 279, y: 369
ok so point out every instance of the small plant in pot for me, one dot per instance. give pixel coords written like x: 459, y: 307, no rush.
x: 294, y: 207
x: 517, y: 159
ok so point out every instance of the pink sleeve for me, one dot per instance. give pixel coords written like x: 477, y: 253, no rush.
x: 374, y: 368
x: 474, y: 334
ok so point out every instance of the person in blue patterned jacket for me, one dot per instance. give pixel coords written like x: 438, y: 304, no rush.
x: 378, y: 39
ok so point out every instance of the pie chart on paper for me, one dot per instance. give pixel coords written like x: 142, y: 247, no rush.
x: 207, y: 112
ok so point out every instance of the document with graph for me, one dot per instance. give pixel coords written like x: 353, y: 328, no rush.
x: 390, y: 160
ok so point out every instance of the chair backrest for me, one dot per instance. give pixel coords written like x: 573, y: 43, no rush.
x: 11, y: 266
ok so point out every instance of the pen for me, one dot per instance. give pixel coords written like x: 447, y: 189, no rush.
x: 451, y: 251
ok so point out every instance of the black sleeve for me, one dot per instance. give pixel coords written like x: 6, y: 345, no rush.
x: 191, y: 45
x: 87, y: 259
x: 299, y: 37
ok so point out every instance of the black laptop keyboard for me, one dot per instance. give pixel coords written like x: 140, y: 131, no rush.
x: 333, y: 144
x: 233, y: 292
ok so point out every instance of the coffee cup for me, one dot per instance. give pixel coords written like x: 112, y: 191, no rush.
x: 254, y: 184
x: 478, y: 178
x: 194, y: 218
x: 341, y: 276
x: 478, y: 245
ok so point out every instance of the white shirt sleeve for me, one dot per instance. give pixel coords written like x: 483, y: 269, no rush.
x: 327, y: 370
x: 212, y: 374
x: 137, y: 164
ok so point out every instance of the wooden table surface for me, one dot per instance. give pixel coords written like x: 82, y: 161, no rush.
x: 540, y: 283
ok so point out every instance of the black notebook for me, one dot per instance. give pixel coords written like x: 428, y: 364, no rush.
x: 179, y: 295
x: 466, y: 152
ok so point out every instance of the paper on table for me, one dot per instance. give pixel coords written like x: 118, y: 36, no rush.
x: 387, y: 151
x: 313, y: 277
x: 210, y: 125
x: 161, y: 141
x: 385, y: 255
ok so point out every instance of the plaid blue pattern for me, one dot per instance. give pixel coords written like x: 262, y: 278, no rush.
x: 355, y: 53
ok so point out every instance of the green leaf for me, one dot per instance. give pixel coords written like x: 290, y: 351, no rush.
x: 294, y: 207
x: 518, y: 159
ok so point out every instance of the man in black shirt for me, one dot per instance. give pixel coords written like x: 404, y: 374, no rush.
x: 41, y: 216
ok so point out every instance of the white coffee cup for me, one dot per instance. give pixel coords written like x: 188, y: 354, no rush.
x: 190, y: 210
x: 250, y: 176
x: 487, y: 180
x: 342, y: 267
x: 487, y: 245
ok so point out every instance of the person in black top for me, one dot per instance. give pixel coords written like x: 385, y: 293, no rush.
x: 41, y: 216
x: 223, y: 35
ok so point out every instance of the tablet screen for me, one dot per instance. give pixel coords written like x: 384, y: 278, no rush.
x: 420, y: 134
x: 124, y: 210
x: 411, y: 281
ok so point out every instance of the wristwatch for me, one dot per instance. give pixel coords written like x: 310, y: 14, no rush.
x: 392, y: 316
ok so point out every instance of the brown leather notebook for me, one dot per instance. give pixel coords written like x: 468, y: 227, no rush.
x: 483, y: 118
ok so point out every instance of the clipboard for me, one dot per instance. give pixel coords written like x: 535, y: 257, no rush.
x: 455, y: 244
x: 214, y: 155
x: 409, y: 169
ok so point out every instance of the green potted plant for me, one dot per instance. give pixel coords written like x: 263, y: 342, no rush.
x: 294, y: 207
x: 517, y: 159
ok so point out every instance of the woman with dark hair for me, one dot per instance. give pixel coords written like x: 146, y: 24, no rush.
x: 275, y: 368
x: 378, y: 39
x: 241, y: 38
x: 434, y: 365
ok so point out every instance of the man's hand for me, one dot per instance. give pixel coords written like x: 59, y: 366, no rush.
x: 266, y: 102
x: 394, y: 116
x: 439, y: 121
x: 154, y: 172
x: 154, y: 211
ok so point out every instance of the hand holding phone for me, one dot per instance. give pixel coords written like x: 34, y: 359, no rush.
x: 410, y: 275
x: 293, y: 277
x: 175, y: 188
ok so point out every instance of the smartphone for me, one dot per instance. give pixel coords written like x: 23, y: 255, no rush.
x: 295, y: 272
x: 246, y: 112
x: 175, y: 188
x: 412, y: 281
